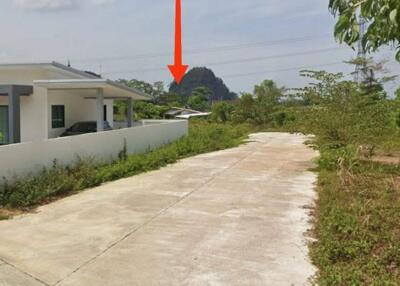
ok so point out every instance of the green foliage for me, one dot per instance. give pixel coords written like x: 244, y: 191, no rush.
x: 222, y: 112
x: 382, y: 16
x: 56, y: 181
x: 398, y: 119
x: 267, y: 98
x: 153, y: 90
x: 245, y: 109
x: 60, y: 180
x: 342, y: 112
x: 172, y: 99
x: 148, y: 110
x: 263, y: 107
x: 199, y: 99
x: 202, y: 77
x: 142, y: 110
x: 371, y: 83
x: 358, y: 222
x: 357, y: 219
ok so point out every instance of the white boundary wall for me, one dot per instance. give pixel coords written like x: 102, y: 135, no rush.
x: 28, y: 158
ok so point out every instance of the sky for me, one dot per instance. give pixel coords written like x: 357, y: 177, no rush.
x: 243, y: 42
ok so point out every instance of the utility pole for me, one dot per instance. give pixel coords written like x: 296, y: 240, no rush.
x: 361, y: 67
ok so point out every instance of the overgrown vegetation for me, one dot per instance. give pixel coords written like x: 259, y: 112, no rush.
x: 357, y: 214
x: 358, y: 222
x: 357, y: 218
x: 60, y: 180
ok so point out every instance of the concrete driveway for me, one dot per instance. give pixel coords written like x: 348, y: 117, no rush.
x: 234, y: 217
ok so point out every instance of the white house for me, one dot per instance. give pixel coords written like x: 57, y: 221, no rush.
x: 39, y: 101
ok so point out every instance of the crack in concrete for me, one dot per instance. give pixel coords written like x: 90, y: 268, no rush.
x: 4, y: 262
x: 129, y: 234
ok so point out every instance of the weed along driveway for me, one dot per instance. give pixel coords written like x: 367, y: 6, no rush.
x: 233, y: 217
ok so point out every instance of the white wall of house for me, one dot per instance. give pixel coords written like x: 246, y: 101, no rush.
x: 77, y: 108
x: 27, y: 158
x: 33, y: 115
x: 34, y: 108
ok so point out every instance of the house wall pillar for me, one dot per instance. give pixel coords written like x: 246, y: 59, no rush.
x: 14, y: 116
x: 100, y: 109
x: 37, y: 113
x: 130, y: 112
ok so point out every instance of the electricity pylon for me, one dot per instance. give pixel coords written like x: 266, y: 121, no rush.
x: 361, y: 67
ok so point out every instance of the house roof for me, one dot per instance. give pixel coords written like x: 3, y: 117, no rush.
x: 112, y: 90
x: 178, y: 110
x: 85, y: 79
x: 48, y: 66
x: 188, y: 116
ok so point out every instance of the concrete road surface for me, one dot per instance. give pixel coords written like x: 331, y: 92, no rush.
x: 234, y: 217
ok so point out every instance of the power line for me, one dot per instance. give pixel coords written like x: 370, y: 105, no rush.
x: 311, y: 52
x: 208, y: 50
x: 282, y: 70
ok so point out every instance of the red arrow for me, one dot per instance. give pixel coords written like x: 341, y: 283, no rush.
x: 177, y: 69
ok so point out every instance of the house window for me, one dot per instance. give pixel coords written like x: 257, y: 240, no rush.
x: 57, y: 116
x: 3, y: 125
x: 105, y: 112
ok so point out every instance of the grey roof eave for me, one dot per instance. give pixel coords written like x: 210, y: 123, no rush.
x: 73, y: 70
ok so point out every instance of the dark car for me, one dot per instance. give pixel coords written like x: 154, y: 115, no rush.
x: 84, y: 127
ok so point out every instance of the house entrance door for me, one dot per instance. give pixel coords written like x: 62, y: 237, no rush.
x: 3, y: 125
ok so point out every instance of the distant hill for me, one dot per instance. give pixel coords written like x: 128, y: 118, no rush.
x: 201, y: 76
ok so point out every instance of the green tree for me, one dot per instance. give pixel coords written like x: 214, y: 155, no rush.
x: 397, y: 104
x: 222, y: 111
x: 269, y: 92
x: 148, y: 110
x: 245, y: 111
x: 397, y: 94
x: 171, y: 99
x: 398, y: 119
x: 382, y: 16
x: 342, y: 113
x: 374, y: 76
x: 199, y: 99
x: 268, y: 96
x: 153, y: 90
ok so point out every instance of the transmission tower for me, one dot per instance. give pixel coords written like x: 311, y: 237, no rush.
x: 361, y: 67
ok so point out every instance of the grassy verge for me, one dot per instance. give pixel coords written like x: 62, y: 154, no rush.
x: 357, y: 220
x: 60, y: 181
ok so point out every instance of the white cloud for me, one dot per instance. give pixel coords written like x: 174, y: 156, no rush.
x: 55, y: 5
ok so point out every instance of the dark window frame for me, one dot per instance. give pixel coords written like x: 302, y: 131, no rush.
x: 4, y: 139
x: 57, y: 116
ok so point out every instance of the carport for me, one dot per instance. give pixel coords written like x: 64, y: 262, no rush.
x: 98, y: 90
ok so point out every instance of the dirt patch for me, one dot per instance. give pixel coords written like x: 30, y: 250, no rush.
x: 386, y: 159
x: 7, y: 213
